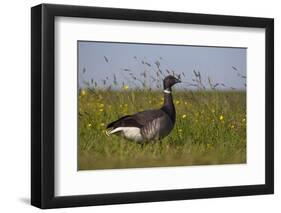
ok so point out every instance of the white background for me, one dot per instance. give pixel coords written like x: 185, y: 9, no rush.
x: 15, y: 106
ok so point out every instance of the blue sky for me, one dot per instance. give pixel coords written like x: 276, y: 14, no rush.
x: 99, y: 61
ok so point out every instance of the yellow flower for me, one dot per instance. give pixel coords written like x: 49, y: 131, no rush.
x: 180, y: 130
x: 89, y: 125
x: 83, y: 92
x: 185, y: 103
x: 125, y: 87
x: 177, y: 102
x: 221, y: 118
x: 243, y: 120
x: 232, y: 126
x: 184, y: 116
x: 102, y: 124
x: 101, y: 109
x: 101, y: 105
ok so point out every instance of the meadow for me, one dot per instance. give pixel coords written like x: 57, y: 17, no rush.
x: 210, y: 128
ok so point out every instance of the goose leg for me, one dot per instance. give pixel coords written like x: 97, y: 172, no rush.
x: 161, y: 146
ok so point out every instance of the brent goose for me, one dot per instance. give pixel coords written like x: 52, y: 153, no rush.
x: 148, y: 125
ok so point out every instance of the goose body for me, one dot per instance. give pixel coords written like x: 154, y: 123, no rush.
x: 143, y: 126
x: 149, y: 125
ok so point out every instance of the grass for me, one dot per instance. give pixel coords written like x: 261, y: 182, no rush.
x: 210, y: 129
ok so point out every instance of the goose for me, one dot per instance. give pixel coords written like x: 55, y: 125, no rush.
x: 149, y: 125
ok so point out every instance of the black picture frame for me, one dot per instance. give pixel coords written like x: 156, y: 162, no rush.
x: 43, y: 105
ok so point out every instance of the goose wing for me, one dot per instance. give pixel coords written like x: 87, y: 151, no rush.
x: 125, y: 121
x: 148, y: 116
x: 139, y: 119
x: 156, y: 124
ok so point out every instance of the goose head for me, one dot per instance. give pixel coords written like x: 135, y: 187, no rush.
x: 170, y: 81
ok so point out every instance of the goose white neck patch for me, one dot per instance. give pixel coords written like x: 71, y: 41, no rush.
x: 167, y: 91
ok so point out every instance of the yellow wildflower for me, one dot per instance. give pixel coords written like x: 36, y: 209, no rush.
x: 180, y: 130
x: 89, y: 125
x: 221, y: 118
x: 177, y: 102
x: 184, y: 116
x: 101, y: 105
x: 83, y: 92
x: 101, y: 109
x: 232, y: 126
x: 243, y: 120
x: 125, y: 87
x: 102, y: 124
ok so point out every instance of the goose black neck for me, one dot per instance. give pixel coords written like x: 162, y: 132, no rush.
x: 168, y: 106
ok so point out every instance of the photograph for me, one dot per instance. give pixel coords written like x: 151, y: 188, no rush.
x: 139, y: 105
x: 144, y: 105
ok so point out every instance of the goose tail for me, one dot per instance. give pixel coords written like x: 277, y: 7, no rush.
x: 110, y: 131
x: 113, y: 126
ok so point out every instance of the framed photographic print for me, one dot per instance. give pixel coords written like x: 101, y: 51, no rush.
x: 139, y: 106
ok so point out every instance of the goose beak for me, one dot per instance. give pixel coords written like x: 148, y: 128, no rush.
x: 178, y: 81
